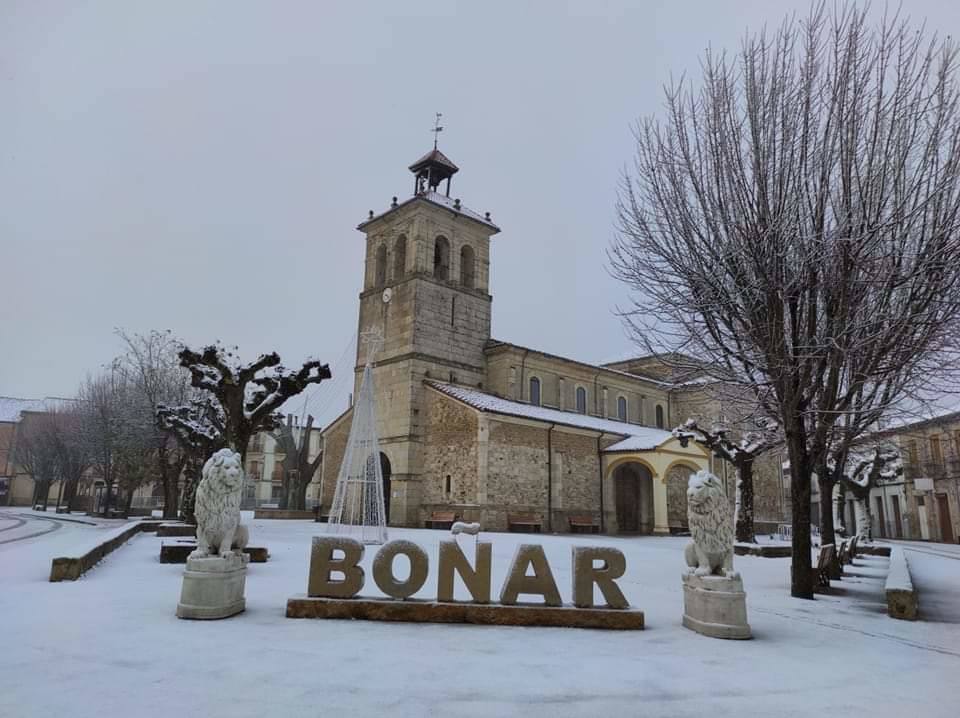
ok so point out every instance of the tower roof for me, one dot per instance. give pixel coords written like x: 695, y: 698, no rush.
x: 437, y: 159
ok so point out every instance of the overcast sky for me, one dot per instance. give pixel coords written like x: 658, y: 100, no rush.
x: 202, y: 166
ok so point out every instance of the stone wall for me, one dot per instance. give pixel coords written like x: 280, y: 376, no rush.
x: 450, y: 450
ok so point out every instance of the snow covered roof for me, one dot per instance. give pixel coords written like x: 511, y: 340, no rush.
x: 11, y: 407
x: 640, y: 438
x: 439, y: 200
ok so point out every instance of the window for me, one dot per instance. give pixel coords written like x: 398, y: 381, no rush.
x: 399, y: 257
x: 448, y: 485
x: 277, y: 476
x: 622, y: 408
x: 441, y: 258
x: 936, y: 453
x: 660, y: 422
x: 581, y: 400
x: 534, y: 391
x: 381, y: 269
x: 912, y: 451
x: 466, y: 266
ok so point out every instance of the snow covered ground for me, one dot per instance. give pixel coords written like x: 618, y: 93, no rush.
x: 110, y: 645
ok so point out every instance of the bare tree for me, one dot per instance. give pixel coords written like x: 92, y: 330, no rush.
x: 35, y: 451
x: 101, y: 401
x: 249, y: 395
x: 153, y: 367
x: 298, y: 468
x: 741, y: 453
x: 793, y: 223
x: 73, y: 456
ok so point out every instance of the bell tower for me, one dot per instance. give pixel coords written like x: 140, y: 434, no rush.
x: 426, y: 287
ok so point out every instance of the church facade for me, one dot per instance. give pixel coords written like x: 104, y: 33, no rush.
x: 491, y: 431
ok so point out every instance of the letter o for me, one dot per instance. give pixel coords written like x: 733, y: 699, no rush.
x: 383, y: 569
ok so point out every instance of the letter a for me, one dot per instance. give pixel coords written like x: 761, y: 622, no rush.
x: 322, y: 564
x: 540, y: 583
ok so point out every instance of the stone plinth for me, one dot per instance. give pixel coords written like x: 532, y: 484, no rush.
x: 715, y: 606
x: 213, y: 587
x: 172, y: 529
x: 179, y: 551
x: 417, y: 611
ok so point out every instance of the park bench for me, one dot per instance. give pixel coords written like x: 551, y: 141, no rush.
x: 524, y: 523
x: 583, y: 523
x: 440, y: 520
x: 821, y: 572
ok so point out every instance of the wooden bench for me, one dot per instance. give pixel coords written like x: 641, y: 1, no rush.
x: 583, y: 523
x: 524, y: 523
x: 440, y: 520
x: 821, y: 572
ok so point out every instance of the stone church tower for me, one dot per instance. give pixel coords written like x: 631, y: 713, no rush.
x: 426, y: 287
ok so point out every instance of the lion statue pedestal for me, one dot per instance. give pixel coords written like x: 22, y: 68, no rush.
x: 714, y: 602
x: 215, y: 576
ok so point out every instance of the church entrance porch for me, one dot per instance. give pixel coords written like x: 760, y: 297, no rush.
x: 633, y: 498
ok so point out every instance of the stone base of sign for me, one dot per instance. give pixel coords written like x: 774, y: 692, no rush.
x: 416, y: 611
x: 213, y: 587
x: 715, y: 606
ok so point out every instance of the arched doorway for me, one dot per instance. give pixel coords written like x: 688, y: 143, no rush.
x: 633, y: 498
x: 678, y: 478
x: 385, y: 470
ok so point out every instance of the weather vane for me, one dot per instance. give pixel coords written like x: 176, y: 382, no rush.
x: 373, y: 338
x: 437, y: 129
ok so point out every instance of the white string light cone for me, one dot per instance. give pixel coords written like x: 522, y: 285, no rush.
x: 358, y: 507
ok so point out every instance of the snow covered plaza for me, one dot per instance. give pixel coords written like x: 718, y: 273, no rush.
x: 109, y: 644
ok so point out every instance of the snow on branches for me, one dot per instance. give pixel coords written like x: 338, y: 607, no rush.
x: 249, y: 395
x: 741, y: 453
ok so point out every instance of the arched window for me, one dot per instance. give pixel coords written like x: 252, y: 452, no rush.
x: 622, y: 408
x: 400, y: 257
x: 381, y: 269
x: 441, y: 258
x: 659, y: 417
x: 581, y: 400
x: 534, y: 391
x: 466, y: 266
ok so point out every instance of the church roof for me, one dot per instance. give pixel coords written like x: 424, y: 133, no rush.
x: 640, y: 438
x: 438, y: 200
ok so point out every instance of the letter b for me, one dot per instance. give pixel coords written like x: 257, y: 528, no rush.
x: 322, y: 564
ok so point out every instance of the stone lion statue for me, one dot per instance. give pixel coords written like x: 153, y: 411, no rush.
x: 218, y: 506
x: 711, y: 526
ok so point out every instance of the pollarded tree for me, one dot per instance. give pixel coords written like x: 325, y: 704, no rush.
x: 249, y: 395
x: 741, y: 453
x: 298, y: 468
x: 866, y: 467
x: 197, y: 427
x: 794, y: 224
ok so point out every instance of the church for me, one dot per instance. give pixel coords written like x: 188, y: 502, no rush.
x: 488, y: 431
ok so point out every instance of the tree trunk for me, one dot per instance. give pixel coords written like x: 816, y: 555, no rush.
x: 302, y: 495
x: 745, y: 528
x: 105, y: 509
x: 190, y: 481
x: 827, y: 528
x: 801, y: 575
x: 170, y: 496
x: 128, y: 502
x: 841, y: 504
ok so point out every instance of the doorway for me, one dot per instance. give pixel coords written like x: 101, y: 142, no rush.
x: 633, y: 498
x: 943, y: 513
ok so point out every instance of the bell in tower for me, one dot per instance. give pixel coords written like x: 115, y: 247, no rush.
x: 433, y: 168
